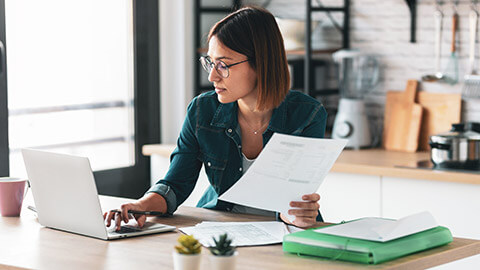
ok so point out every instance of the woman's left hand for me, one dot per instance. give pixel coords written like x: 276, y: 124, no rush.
x: 305, y: 212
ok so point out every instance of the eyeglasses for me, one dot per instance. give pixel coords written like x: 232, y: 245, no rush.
x: 220, y: 66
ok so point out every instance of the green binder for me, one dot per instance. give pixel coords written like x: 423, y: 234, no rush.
x: 334, y: 247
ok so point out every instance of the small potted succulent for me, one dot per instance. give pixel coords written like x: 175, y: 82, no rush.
x: 223, y: 254
x: 187, y: 253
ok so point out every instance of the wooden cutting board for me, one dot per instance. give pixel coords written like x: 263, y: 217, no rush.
x: 402, y: 120
x: 440, y: 111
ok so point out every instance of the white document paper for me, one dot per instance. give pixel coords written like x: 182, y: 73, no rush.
x: 286, y: 169
x: 241, y: 233
x: 382, y: 230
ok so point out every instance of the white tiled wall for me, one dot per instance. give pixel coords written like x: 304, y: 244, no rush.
x: 383, y: 27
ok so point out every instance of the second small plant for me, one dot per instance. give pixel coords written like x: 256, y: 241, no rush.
x: 223, y: 246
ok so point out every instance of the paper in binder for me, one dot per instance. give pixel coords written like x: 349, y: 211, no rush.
x: 317, y: 242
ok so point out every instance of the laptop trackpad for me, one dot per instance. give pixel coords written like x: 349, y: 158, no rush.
x: 131, y: 228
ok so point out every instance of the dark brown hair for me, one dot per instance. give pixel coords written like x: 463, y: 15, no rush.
x: 253, y: 31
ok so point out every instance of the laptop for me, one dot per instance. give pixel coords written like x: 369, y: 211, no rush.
x: 66, y: 197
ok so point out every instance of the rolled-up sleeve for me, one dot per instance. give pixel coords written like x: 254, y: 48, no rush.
x: 184, y: 167
x: 166, y: 192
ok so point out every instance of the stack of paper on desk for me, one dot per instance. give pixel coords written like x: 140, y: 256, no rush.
x: 387, y: 239
x: 242, y: 233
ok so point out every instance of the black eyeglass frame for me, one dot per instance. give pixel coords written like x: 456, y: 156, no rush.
x: 206, y: 60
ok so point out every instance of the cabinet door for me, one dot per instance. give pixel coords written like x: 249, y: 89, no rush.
x: 454, y: 205
x: 349, y: 196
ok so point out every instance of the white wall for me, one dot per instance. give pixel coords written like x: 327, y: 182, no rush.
x: 383, y: 27
x: 176, y: 72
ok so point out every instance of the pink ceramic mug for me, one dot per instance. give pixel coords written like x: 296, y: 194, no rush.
x: 11, y: 196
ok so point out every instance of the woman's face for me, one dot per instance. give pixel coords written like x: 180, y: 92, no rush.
x: 241, y: 82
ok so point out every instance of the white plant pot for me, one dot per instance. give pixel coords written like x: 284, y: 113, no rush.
x: 223, y: 262
x: 186, y: 261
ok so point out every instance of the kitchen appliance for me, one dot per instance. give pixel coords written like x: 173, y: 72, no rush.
x: 358, y: 74
x: 458, y: 148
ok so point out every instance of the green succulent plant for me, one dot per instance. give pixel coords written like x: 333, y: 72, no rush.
x: 188, y: 245
x: 223, y: 247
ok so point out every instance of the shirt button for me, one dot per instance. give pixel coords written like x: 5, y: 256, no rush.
x: 229, y: 130
x: 209, y: 164
x: 240, y: 169
x: 239, y: 146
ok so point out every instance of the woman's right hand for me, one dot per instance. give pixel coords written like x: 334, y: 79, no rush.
x: 149, y: 202
x: 123, y: 215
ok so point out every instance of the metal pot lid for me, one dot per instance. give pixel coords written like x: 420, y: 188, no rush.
x: 459, y: 132
x: 448, y: 137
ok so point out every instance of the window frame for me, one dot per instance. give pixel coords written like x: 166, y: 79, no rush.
x: 132, y: 181
x: 4, y: 150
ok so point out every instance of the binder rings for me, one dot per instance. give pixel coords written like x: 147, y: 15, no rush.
x: 334, y: 247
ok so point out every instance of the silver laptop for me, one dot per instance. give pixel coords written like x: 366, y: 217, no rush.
x: 66, y: 197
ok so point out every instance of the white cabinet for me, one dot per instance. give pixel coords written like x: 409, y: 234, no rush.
x: 454, y: 205
x: 347, y: 196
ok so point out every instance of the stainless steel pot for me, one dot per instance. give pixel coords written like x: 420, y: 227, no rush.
x: 459, y: 148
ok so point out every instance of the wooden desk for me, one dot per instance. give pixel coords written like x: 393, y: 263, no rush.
x: 26, y: 244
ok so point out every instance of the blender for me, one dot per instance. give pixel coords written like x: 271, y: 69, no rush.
x: 358, y: 74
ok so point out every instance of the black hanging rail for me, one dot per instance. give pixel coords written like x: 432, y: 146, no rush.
x: 412, y: 6
x: 332, y: 9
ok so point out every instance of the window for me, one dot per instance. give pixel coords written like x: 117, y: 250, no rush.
x: 83, y: 79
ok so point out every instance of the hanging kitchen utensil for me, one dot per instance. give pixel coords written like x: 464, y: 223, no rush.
x: 471, y: 86
x: 402, y: 121
x: 451, y: 73
x: 438, y: 19
x: 473, y: 21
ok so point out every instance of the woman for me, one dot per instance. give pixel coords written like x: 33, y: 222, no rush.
x: 226, y: 129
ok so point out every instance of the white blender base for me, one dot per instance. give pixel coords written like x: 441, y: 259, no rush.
x: 351, y: 123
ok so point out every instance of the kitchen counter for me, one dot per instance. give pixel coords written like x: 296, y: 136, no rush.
x: 370, y: 162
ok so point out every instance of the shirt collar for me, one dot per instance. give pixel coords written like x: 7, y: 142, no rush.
x: 226, y: 114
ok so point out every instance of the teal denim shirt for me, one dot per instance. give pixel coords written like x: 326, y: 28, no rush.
x: 211, y: 136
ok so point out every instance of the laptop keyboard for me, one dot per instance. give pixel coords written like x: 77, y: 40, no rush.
x: 132, y: 228
x: 125, y: 229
